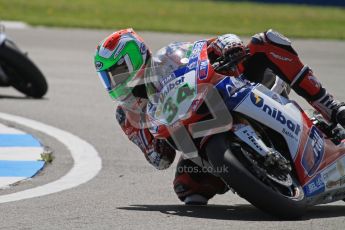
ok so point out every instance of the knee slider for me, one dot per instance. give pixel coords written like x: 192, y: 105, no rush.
x: 184, y: 186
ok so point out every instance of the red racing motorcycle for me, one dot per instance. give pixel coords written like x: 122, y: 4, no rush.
x: 273, y: 154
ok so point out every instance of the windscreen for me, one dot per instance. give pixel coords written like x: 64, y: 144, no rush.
x: 171, y: 81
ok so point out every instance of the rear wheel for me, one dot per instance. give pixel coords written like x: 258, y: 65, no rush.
x: 278, y: 195
x: 22, y: 72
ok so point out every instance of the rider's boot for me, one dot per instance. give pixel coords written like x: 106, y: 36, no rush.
x: 332, y: 109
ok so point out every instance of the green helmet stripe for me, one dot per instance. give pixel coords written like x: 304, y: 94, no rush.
x: 133, y: 57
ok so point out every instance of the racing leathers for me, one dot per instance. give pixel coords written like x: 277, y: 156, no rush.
x: 267, y: 50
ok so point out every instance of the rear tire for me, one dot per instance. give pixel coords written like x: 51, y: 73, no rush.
x: 22, y: 72
x: 222, y: 153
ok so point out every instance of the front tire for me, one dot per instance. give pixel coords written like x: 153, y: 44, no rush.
x: 22, y: 72
x: 225, y: 155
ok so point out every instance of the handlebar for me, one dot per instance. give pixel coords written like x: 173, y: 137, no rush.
x: 224, y: 63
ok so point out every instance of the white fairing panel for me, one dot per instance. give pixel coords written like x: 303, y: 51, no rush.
x: 276, y: 112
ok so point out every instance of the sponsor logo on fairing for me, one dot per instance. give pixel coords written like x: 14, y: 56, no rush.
x: 252, y: 138
x: 339, y: 180
x: 165, y: 80
x: 203, y: 70
x: 337, y: 183
x: 313, y: 152
x: 197, y: 49
x: 257, y: 100
x: 169, y: 87
x: 315, y: 186
x: 192, y: 63
x: 292, y: 128
x: 194, y: 57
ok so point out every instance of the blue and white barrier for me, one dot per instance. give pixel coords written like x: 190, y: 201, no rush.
x: 20, y: 155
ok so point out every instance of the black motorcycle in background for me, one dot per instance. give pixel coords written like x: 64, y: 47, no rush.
x: 17, y: 70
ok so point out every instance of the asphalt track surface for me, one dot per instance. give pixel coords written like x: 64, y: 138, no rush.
x: 128, y: 193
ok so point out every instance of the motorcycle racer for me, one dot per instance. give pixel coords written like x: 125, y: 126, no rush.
x: 123, y: 56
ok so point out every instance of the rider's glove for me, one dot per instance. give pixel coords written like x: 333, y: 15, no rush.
x: 229, y: 46
x: 157, y: 152
x: 162, y: 154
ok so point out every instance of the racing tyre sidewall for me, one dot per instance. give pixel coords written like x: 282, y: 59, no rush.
x: 249, y: 187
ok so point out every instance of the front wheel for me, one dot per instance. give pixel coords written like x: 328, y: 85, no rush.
x: 22, y: 72
x: 246, y: 179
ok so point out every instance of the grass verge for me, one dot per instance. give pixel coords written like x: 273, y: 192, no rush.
x: 186, y: 16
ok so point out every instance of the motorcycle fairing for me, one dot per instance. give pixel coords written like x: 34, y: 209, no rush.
x: 233, y: 90
x: 313, y: 152
x: 318, y: 162
x: 328, y: 184
x: 330, y: 175
x: 275, y: 112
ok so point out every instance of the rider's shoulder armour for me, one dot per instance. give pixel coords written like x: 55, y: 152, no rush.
x: 277, y: 38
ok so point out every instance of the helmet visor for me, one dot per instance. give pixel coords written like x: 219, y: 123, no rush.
x: 115, y: 80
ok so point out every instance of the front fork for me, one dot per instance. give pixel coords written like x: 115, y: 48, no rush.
x: 247, y: 134
x: 271, y: 157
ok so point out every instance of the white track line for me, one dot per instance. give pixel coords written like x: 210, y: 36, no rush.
x: 87, y: 162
